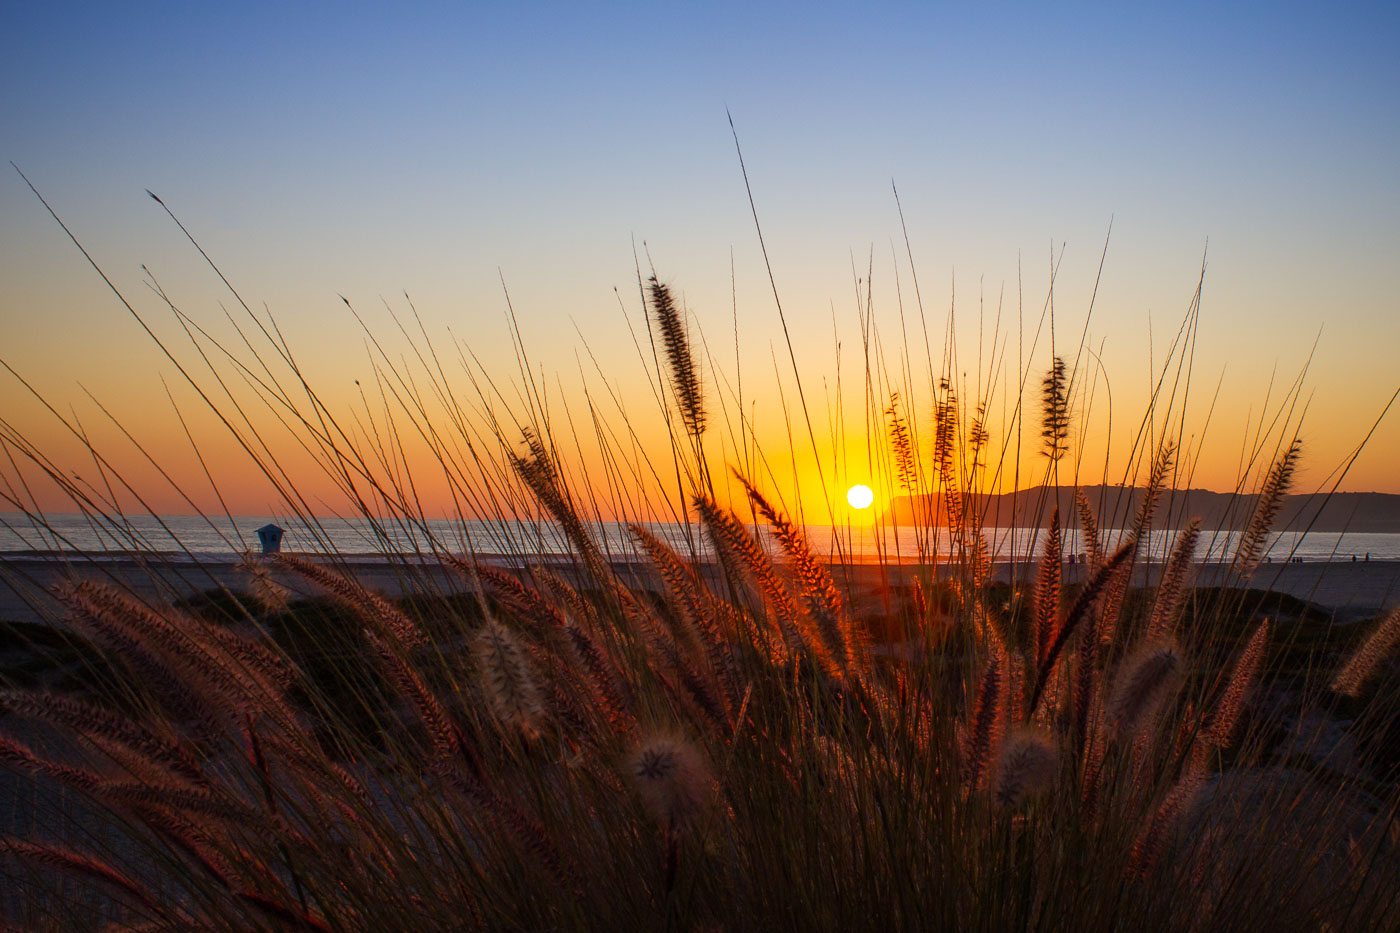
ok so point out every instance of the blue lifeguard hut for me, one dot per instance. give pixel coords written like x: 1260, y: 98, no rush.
x: 270, y: 537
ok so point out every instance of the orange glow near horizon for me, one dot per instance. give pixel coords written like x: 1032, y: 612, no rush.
x: 813, y: 485
x: 805, y: 452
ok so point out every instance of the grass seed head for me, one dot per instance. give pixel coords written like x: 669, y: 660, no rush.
x: 1029, y: 760
x: 1364, y: 661
x: 507, y: 679
x: 1145, y: 681
x: 673, y: 780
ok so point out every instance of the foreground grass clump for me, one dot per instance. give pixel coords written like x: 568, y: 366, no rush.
x: 727, y: 753
x: 724, y: 742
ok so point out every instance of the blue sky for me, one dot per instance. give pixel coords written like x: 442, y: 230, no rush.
x: 327, y: 149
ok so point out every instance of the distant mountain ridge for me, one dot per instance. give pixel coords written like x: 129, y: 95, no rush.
x: 1115, y: 506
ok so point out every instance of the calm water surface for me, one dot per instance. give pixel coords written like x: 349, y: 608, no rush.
x: 219, y: 536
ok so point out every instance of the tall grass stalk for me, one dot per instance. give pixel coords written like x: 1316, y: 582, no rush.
x: 659, y: 730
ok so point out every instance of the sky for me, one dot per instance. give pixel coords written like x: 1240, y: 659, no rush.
x: 459, y: 155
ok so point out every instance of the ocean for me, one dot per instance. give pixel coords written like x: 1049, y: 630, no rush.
x: 220, y: 536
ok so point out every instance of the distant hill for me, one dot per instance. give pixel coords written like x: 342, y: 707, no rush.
x: 1375, y: 512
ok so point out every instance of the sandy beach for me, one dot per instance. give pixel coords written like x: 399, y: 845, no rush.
x: 1352, y: 589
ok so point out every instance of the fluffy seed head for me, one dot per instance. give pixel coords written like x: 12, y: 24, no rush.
x: 1144, y: 683
x: 985, y: 721
x: 1150, y: 844
x: 742, y: 556
x: 1089, y: 528
x: 1156, y: 478
x: 382, y: 615
x: 509, y: 683
x: 1276, y: 486
x: 685, y: 378
x: 673, y: 780
x: 1242, y: 680
x: 815, y: 585
x: 1028, y: 763
x: 1054, y: 411
x: 902, y: 445
x: 945, y: 432
x: 1047, y: 591
x: 1170, y: 594
x: 83, y: 866
x: 1363, y: 663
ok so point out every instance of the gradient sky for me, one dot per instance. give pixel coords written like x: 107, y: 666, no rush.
x: 320, y: 150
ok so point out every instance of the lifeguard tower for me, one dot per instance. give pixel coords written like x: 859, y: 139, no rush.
x: 270, y: 537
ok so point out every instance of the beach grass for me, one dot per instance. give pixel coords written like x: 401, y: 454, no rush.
x: 730, y: 740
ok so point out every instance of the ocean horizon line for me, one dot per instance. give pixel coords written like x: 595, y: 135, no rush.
x: 217, y: 536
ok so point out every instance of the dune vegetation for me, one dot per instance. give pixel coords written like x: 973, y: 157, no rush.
x: 716, y: 733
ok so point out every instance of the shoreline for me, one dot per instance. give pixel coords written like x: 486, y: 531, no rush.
x: 1350, y: 589
x: 78, y: 556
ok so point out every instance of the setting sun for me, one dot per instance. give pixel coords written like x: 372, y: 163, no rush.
x: 860, y: 497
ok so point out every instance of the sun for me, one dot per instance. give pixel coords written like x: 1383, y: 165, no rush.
x: 860, y: 497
